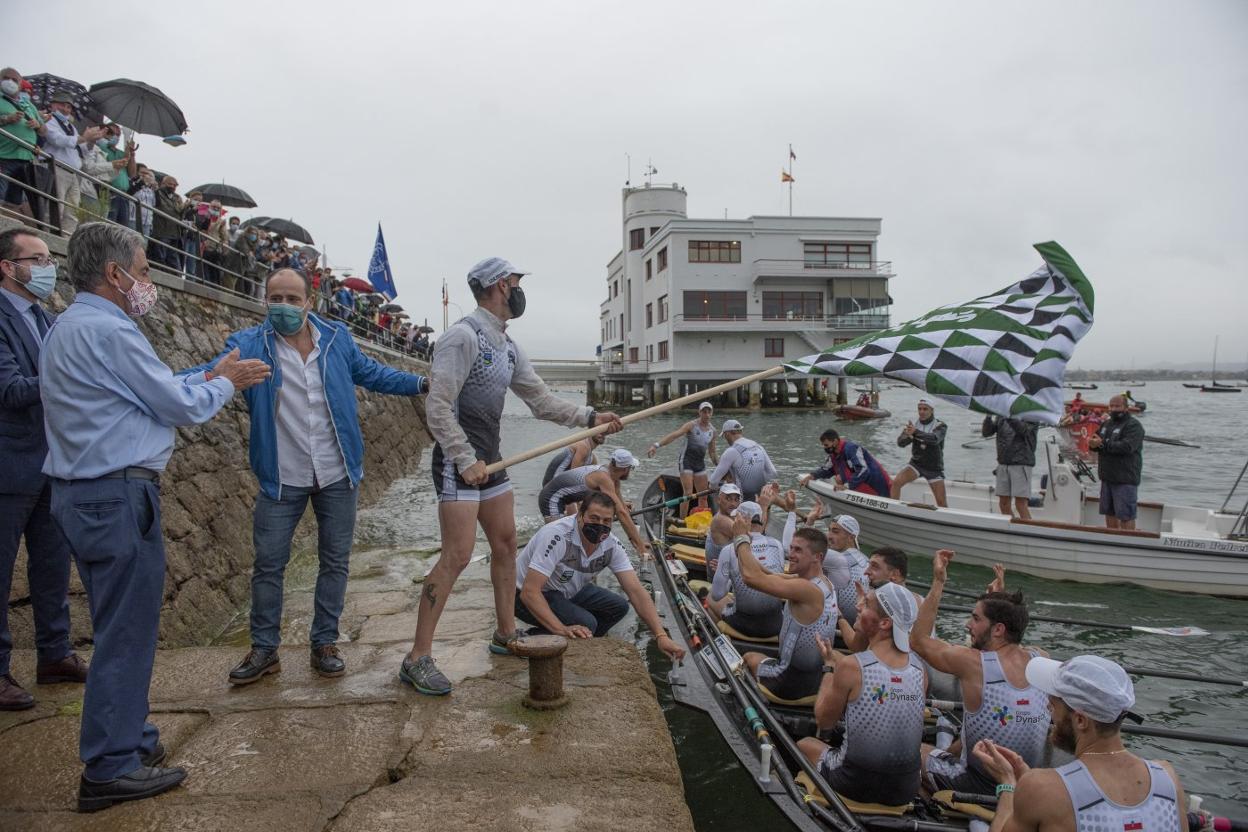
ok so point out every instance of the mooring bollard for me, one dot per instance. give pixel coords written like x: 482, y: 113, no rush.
x: 545, y: 655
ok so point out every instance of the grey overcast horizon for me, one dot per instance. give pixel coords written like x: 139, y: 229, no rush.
x: 974, y: 129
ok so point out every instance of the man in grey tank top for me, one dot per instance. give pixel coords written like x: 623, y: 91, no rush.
x: 1106, y: 787
x: 475, y: 363
x: 999, y: 704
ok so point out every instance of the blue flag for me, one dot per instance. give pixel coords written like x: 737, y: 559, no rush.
x: 379, y: 268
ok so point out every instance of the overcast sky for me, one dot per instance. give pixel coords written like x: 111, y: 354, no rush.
x: 974, y: 129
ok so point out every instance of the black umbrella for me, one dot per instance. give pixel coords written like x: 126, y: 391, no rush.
x: 286, y: 228
x: 310, y: 251
x: 139, y: 106
x: 227, y: 195
x: 391, y: 307
x: 425, y: 329
x: 46, y: 85
x: 256, y: 221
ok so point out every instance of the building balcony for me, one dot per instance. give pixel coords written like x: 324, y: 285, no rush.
x: 763, y: 269
x: 616, y: 367
x: 768, y: 323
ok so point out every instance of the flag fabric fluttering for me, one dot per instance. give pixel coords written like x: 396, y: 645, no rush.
x: 785, y: 176
x: 1003, y: 353
x: 792, y: 155
x: 379, y: 268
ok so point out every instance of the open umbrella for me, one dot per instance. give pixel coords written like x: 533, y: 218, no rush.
x: 310, y: 251
x: 391, y: 307
x: 355, y: 284
x: 139, y: 106
x: 256, y: 221
x: 45, y: 85
x: 174, y: 141
x: 425, y: 329
x: 288, y: 229
x: 226, y: 195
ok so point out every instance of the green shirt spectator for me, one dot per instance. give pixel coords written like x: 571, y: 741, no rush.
x: 112, y: 153
x: 20, y: 129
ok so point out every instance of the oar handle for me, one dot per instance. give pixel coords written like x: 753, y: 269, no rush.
x: 672, y: 503
x: 556, y: 444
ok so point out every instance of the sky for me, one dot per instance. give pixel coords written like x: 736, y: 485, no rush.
x: 471, y: 129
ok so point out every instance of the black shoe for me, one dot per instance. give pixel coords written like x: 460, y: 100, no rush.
x: 137, y: 785
x: 155, y: 758
x: 327, y: 661
x: 257, y: 663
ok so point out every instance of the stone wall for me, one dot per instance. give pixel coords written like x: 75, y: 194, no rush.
x: 208, y: 491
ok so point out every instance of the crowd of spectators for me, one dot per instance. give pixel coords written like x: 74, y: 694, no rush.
x: 189, y: 235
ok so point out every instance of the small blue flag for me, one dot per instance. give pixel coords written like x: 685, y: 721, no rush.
x: 379, y: 268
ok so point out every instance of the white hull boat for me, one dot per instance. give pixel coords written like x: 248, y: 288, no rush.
x: 1178, y: 548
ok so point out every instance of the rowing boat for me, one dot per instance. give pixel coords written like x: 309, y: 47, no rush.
x: 853, y: 411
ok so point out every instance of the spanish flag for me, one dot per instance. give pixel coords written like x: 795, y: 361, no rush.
x: 784, y: 177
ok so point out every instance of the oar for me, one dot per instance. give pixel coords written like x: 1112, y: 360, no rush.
x: 1105, y: 625
x: 672, y: 503
x: 1187, y: 677
x: 1165, y: 440
x: 630, y: 418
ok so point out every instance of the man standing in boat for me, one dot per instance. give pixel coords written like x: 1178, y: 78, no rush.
x: 999, y: 702
x: 1016, y: 456
x: 746, y: 460
x: 474, y: 363
x: 699, y: 436
x: 879, y: 694
x: 927, y: 453
x: 852, y: 466
x: 1106, y: 786
x: 1119, y: 446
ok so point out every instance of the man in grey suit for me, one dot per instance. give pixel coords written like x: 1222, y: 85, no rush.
x: 28, y: 276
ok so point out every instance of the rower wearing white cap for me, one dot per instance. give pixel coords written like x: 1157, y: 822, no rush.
x: 999, y: 702
x: 699, y: 436
x: 843, y: 544
x: 745, y: 459
x: 880, y: 696
x: 1106, y: 787
x: 474, y: 364
x: 749, y: 611
x: 927, y: 453
x: 719, y: 534
x: 561, y: 495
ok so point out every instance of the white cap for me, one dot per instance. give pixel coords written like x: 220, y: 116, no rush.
x: 730, y: 488
x: 898, y: 604
x: 1091, y: 685
x: 751, y: 510
x: 847, y: 523
x: 491, y: 270
x: 732, y: 424
x: 926, y: 401
x: 623, y: 458
x: 706, y: 406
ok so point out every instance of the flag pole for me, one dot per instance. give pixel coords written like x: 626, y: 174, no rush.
x: 577, y: 436
x: 791, y: 180
x: 446, y: 323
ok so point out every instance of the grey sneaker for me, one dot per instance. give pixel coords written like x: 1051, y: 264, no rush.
x: 424, y: 675
x: 501, y: 643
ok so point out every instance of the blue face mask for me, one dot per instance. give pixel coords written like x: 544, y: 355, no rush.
x: 286, y: 319
x: 42, y: 281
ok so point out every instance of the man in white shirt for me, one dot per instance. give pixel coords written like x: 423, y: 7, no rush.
x: 61, y: 143
x: 746, y: 460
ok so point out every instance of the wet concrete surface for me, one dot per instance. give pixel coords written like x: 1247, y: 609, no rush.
x: 364, y: 752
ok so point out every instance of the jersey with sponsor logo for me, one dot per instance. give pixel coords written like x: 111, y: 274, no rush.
x: 556, y: 551
x: 1017, y: 718
x: 884, y: 725
x: 1095, y: 812
x: 745, y: 599
x: 798, y: 648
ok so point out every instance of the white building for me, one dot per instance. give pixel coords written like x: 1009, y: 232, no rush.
x: 695, y: 302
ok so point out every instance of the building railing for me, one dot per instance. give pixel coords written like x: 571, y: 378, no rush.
x: 809, y: 268
x: 622, y: 366
x: 756, y: 321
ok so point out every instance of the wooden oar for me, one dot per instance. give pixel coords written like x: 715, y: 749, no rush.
x: 1187, y: 677
x: 1104, y: 625
x: 672, y: 503
x: 1165, y: 440
x: 630, y: 418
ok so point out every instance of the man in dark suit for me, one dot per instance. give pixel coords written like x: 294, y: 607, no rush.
x: 27, y: 276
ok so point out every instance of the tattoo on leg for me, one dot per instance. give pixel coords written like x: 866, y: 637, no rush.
x: 431, y: 594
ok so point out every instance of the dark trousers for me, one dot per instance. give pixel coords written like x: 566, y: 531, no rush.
x: 170, y: 253
x: 594, y: 608
x: 47, y: 570
x: 113, y: 529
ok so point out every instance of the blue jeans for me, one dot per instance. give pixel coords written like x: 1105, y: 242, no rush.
x: 119, y: 210
x: 47, y: 569
x: 190, y: 247
x: 272, y: 530
x: 113, y: 530
x: 594, y: 608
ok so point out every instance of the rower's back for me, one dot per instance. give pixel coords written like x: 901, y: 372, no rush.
x: 1126, y: 792
x: 1011, y: 711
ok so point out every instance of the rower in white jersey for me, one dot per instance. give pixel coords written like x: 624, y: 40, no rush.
x: 699, y: 436
x: 809, y: 610
x: 574, y: 456
x: 999, y: 704
x: 749, y: 611
x: 879, y: 694
x: 843, y: 545
x: 719, y: 533
x: 1106, y: 788
x: 746, y: 460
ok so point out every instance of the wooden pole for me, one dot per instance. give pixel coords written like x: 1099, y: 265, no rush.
x: 630, y: 418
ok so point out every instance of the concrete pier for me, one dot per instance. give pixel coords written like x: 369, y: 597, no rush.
x: 364, y: 752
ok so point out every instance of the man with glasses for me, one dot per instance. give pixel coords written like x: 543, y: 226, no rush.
x: 28, y: 276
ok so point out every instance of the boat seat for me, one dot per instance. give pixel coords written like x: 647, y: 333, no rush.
x: 728, y: 630
x: 945, y: 798
x: 804, y: 702
x: 685, y: 531
x: 689, y: 554
x: 697, y: 586
x: 803, y: 780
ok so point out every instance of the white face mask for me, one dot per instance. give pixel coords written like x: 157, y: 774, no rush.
x: 140, y: 296
x: 9, y: 87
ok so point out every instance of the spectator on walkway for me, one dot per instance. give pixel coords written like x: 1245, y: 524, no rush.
x: 143, y: 189
x: 216, y: 244
x: 19, y: 122
x: 125, y: 167
x: 235, y: 229
x: 191, y: 264
x: 167, y: 229
x: 61, y: 143
x: 247, y: 246
x: 96, y: 169
x: 344, y: 301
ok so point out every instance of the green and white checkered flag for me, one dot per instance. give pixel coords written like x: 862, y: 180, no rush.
x: 1003, y: 353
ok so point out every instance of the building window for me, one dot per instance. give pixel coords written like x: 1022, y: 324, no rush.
x: 649, y: 315
x: 837, y: 255
x: 663, y: 351
x: 773, y: 347
x: 663, y: 309
x: 654, y: 229
x: 715, y: 305
x: 649, y: 269
x: 663, y: 258
x: 859, y: 296
x: 649, y: 353
x: 714, y: 251
x: 792, y: 306
x: 636, y: 239
x: 615, y: 288
x: 632, y: 355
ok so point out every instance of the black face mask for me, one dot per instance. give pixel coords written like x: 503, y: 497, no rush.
x: 1119, y: 416
x: 515, y: 302
x: 595, y: 532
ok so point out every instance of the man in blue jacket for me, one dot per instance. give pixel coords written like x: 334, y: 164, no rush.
x: 305, y: 445
x: 852, y: 465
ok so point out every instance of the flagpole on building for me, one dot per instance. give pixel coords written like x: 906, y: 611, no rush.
x: 446, y: 323
x: 792, y: 159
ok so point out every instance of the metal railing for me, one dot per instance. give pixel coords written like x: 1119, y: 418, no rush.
x: 770, y: 267
x: 757, y: 321
x: 623, y: 367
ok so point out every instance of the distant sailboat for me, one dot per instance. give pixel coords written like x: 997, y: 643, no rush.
x: 1213, y: 386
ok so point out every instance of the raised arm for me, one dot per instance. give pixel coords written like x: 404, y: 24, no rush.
x: 989, y: 427
x: 601, y: 481
x: 726, y: 565
x: 670, y: 438
x: 948, y: 658
x: 544, y: 404
x: 151, y: 384
x: 373, y: 375
x: 757, y: 577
